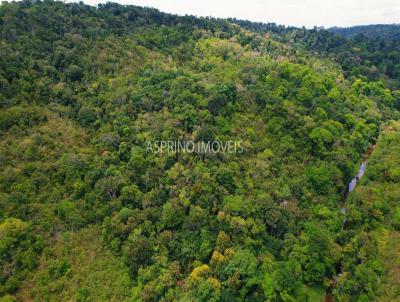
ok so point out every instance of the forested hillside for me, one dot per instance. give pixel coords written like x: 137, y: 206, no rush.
x: 385, y: 31
x: 369, y: 52
x: 89, y: 214
x: 374, y: 209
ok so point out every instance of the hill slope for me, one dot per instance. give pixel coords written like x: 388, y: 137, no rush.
x: 385, y: 31
x: 375, y: 208
x: 84, y: 91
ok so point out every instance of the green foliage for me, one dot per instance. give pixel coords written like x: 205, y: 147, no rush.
x: 77, y: 268
x: 22, y: 117
x: 68, y: 212
x: 16, y: 254
x: 85, y: 91
x: 373, y: 214
x: 86, y: 116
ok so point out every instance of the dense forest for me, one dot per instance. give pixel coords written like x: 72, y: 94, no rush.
x: 385, y: 31
x: 87, y: 213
